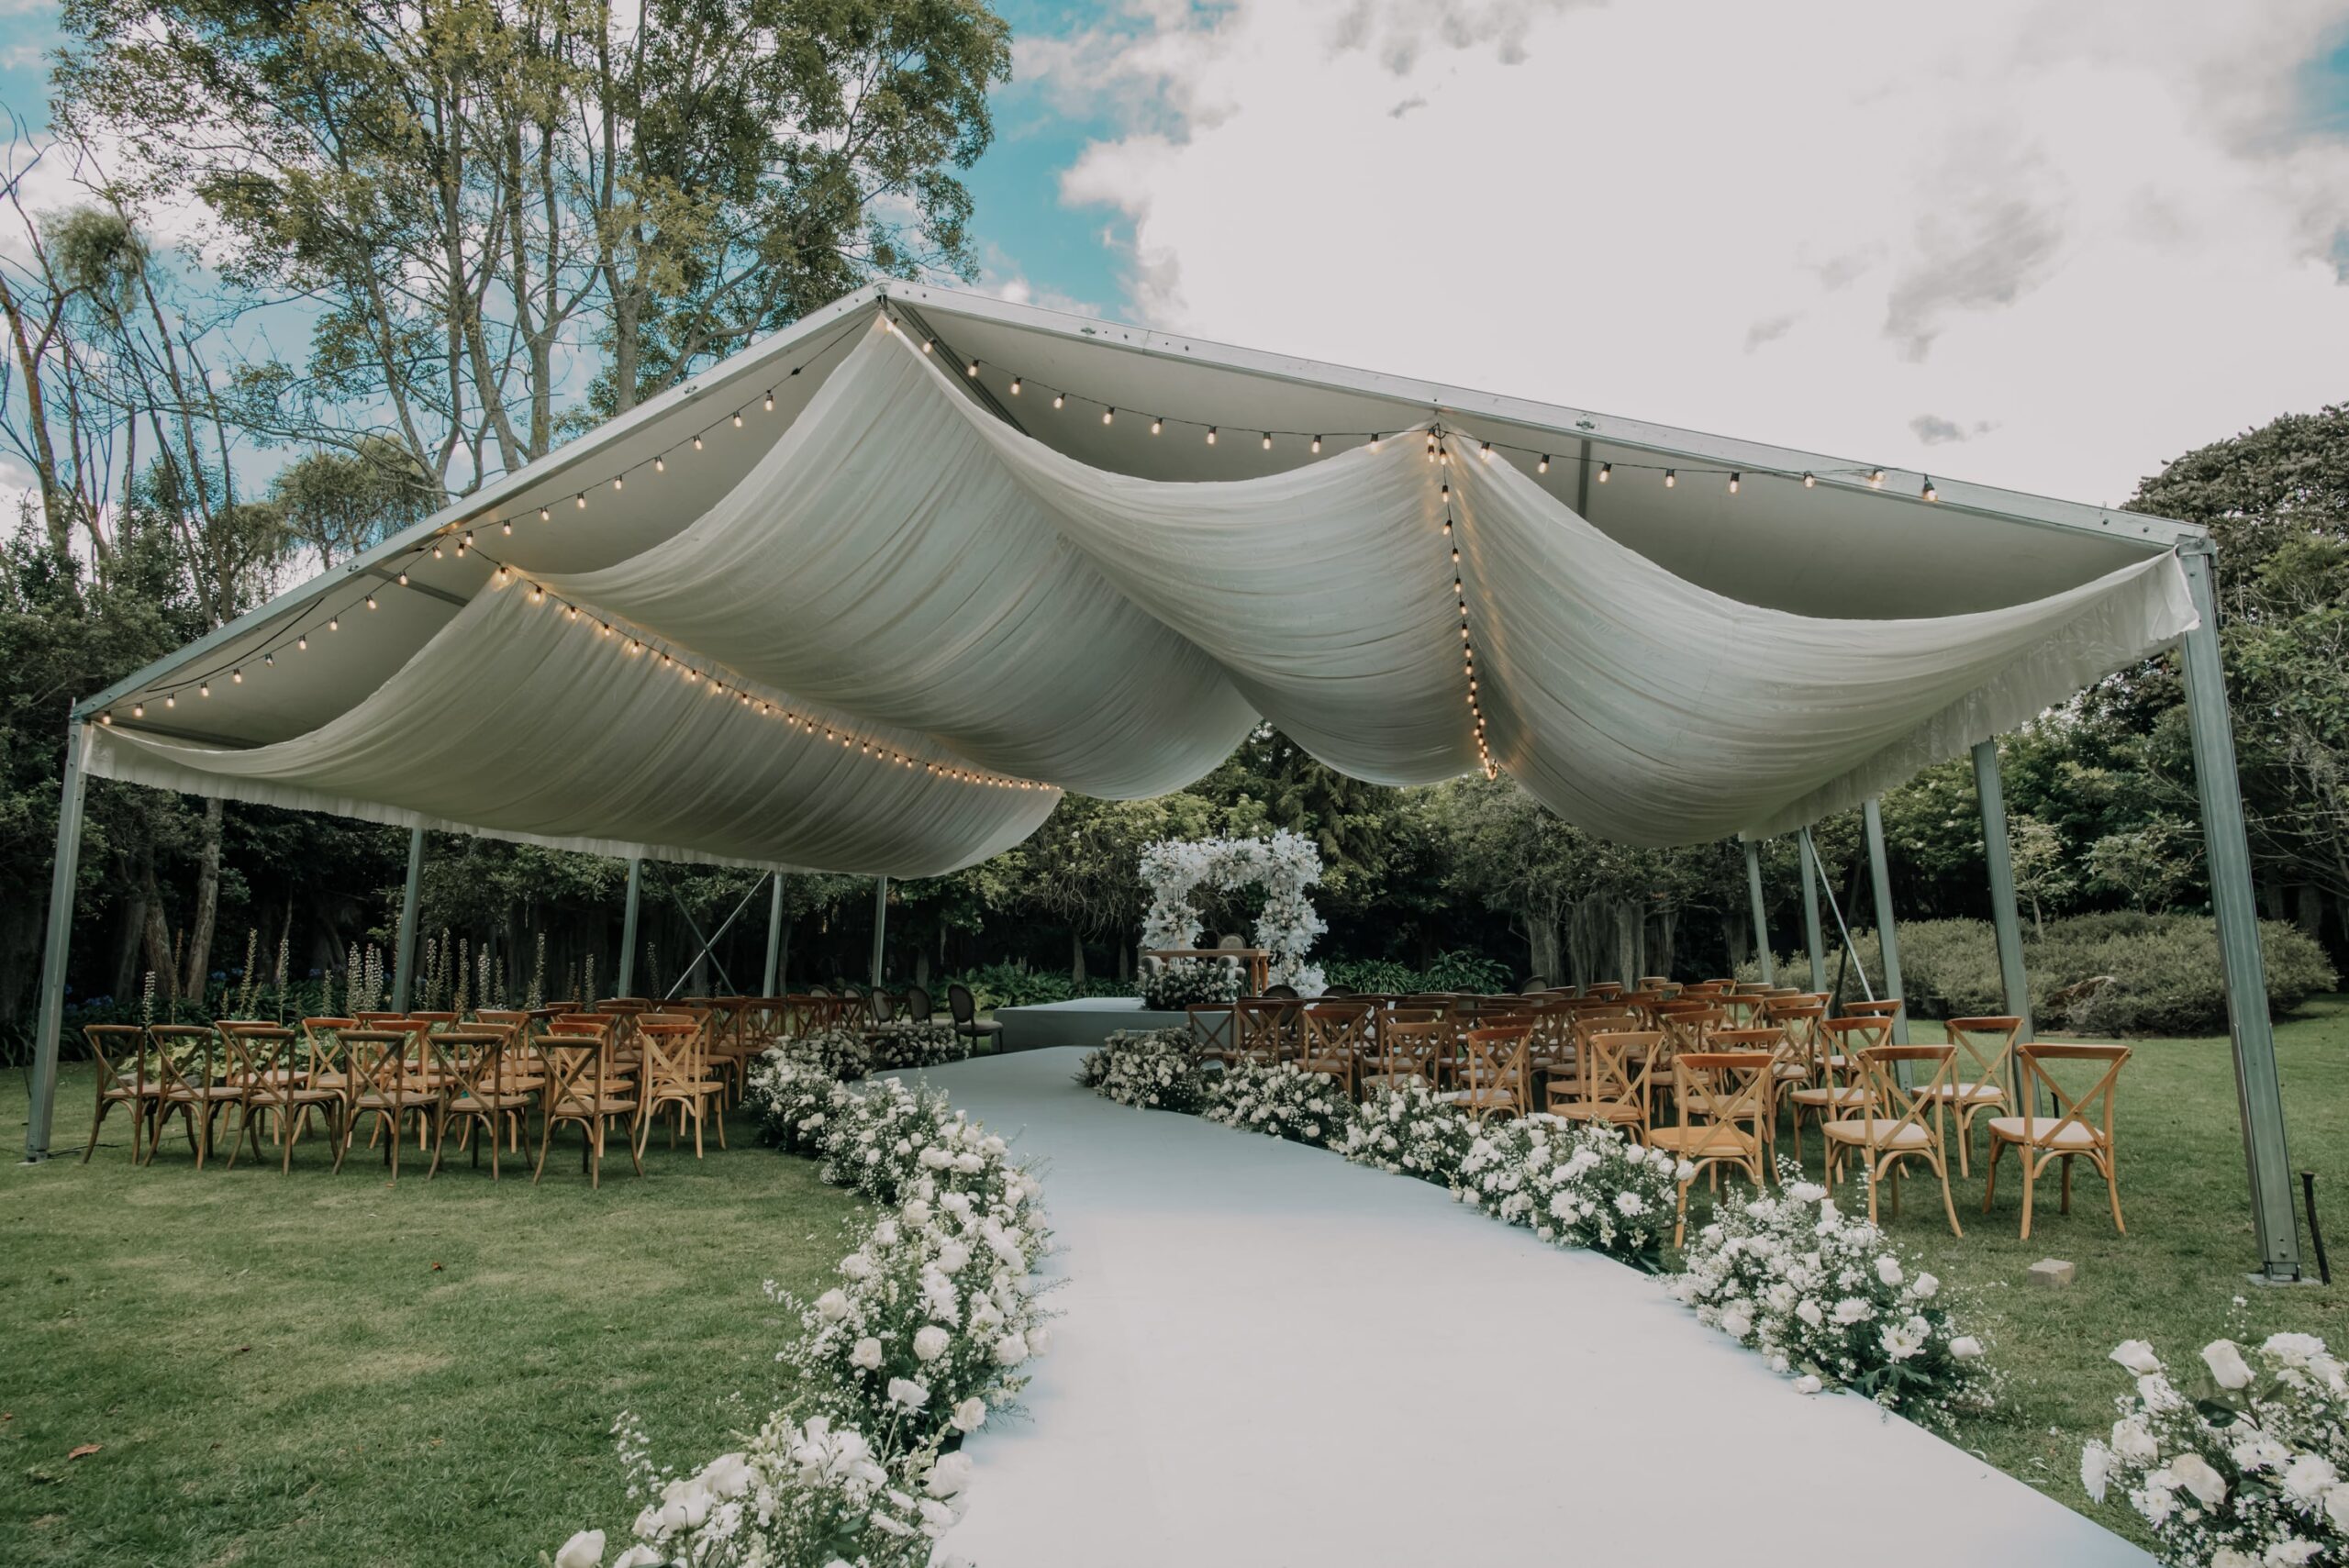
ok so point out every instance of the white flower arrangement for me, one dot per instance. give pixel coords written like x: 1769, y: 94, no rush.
x: 1409, y: 1130
x: 1832, y: 1302
x: 911, y: 1043
x: 1149, y: 1069
x: 1575, y: 1184
x: 2254, y: 1475
x: 1179, y: 983
x: 1282, y: 1100
x: 844, y: 1054
x: 928, y: 1333
x: 1284, y: 865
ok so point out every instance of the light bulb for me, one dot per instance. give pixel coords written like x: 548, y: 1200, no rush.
x: 1734, y: 480
x: 371, y: 601
x: 696, y: 443
x: 171, y: 699
x: 580, y: 501
x: 770, y: 397
x: 1671, y: 478
x: 659, y: 465
x: 1374, y: 441
x: 1606, y: 471
x: 501, y: 576
x: 1486, y: 451
x: 546, y: 515
x: 506, y: 527
x: 437, y: 553
x: 403, y: 579
x: 972, y: 369
x: 105, y: 719
x: 1156, y: 426
x: 204, y: 688
x: 139, y: 710
x: 1107, y: 415
x: 928, y: 345
x: 465, y: 543
x: 1060, y: 400
x: 738, y: 419
x: 270, y: 660
x: 1543, y: 466
x: 1015, y: 386
x: 1810, y: 479
x: 617, y: 482
x: 1876, y: 479
x: 1210, y: 435
x: 538, y: 595
x: 237, y: 676
x: 1317, y: 445
x: 303, y: 642
x: 1930, y: 492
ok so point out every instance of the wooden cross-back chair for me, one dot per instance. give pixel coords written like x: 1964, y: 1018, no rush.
x: 584, y: 1089
x: 1986, y: 1050
x: 394, y: 1077
x: 2082, y: 1124
x: 1722, y: 1103
x: 676, y: 1076
x: 274, y: 1065
x: 1763, y: 1037
x: 119, y: 1052
x: 1550, y: 1047
x: 1491, y: 1073
x: 1895, y: 1124
x: 1209, y: 1025
x: 194, y: 1084
x: 1610, y: 1081
x: 1266, y: 1029
x: 488, y: 1088
x: 1873, y: 1008
x: 1407, y: 1043
x: 1337, y: 1037
x: 1835, y: 1090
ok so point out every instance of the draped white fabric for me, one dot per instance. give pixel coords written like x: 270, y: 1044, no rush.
x: 974, y: 598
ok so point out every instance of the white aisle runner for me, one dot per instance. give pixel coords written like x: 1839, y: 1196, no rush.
x: 1268, y: 1356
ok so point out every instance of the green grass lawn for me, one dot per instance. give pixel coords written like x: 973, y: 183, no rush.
x: 2173, y: 1278
x: 322, y: 1369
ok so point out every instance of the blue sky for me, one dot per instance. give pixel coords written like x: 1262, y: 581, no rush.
x: 2054, y: 247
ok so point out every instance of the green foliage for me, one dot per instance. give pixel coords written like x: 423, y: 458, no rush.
x: 2103, y: 975
x: 1011, y: 986
x: 1454, y: 970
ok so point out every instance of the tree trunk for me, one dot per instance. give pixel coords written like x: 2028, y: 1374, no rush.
x: 208, y: 902
x: 157, y: 938
x: 1736, y: 939
x: 1077, y: 956
x: 130, y: 933
x: 2311, y: 913
x: 1541, y: 945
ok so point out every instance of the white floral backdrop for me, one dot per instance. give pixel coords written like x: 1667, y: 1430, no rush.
x: 1284, y: 865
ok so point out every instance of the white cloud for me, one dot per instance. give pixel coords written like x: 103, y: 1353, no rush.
x: 2082, y: 233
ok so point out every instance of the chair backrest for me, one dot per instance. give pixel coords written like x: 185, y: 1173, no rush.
x: 384, y: 1061
x: 379, y: 1020
x: 323, y: 1038
x: 1724, y: 1087
x: 959, y: 1003
x: 261, y: 1056
x: 118, y: 1051
x: 1770, y: 1038
x: 1210, y: 1027
x: 1892, y: 1107
x: 507, y: 1015
x: 884, y: 1007
x: 1987, y: 1045
x: 2091, y: 1108
x: 1615, y: 1066
x: 1847, y: 1037
x: 917, y: 1005
x: 478, y: 1061
x: 1493, y: 1068
x: 186, y: 1056
x: 1283, y: 992
x: 1413, y: 1048
x: 434, y: 1020
x: 1881, y: 1008
x: 672, y: 1051
x: 1265, y: 1029
x: 1339, y: 1028
x: 579, y: 1070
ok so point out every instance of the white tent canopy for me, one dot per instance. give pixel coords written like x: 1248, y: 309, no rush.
x: 879, y: 625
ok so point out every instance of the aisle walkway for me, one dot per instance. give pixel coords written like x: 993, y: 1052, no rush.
x: 1268, y: 1356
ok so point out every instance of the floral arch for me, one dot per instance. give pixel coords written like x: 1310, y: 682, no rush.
x: 1285, y: 865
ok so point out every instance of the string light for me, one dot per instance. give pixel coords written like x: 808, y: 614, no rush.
x: 659, y: 465
x: 237, y: 676
x: 770, y: 398
x: 1268, y: 440
x: 204, y: 688
x: 1734, y: 480
x: 1810, y: 479
x: 1316, y: 446
x: 580, y: 501
x: 1210, y: 435
x: 371, y: 601
x: 1876, y: 479
x: 1671, y: 477
x: 1930, y: 492
x: 1486, y: 451
x: 303, y: 642
x: 1606, y: 471
x: 1543, y: 466
x: 1015, y: 386
x: 403, y: 579
x: 1107, y: 415
x: 1059, y: 401
x: 738, y: 419
x: 696, y: 443
x: 1156, y: 426
x: 436, y: 551
x: 972, y: 369
x: 616, y: 483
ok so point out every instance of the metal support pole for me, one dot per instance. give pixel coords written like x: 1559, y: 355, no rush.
x: 1809, y: 858
x: 64, y: 878
x: 403, y: 957
x: 2258, y: 1088
x: 627, y: 981
x: 1760, y: 920
x: 2000, y: 859
x: 774, y: 941
x: 1887, y: 939
x: 880, y: 923
x: 709, y: 944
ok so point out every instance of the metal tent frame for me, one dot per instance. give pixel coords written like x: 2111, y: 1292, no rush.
x: 1118, y: 353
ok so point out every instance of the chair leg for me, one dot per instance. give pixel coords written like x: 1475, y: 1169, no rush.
x: 1965, y: 1143
x: 2067, y: 1185
x: 2112, y: 1190
x: 98, y: 1121
x: 439, y: 1136
x: 1949, y: 1206
x: 1875, y: 1181
x: 635, y: 1159
x: 546, y: 1139
x: 1680, y: 1216
x: 722, y: 1127
x: 2030, y: 1180
x: 1990, y: 1186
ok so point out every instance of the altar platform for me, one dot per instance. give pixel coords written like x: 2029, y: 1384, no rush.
x: 1086, y: 1021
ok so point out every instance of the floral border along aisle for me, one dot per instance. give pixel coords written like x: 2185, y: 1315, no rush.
x: 926, y: 1335
x: 2254, y: 1475
x: 1830, y: 1302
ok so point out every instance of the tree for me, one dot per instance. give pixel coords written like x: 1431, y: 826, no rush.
x: 2041, y: 872
x: 466, y: 193
x: 2145, y: 865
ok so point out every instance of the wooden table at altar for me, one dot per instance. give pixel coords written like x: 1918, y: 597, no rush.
x: 1257, y: 960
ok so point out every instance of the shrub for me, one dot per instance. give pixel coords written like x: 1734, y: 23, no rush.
x: 1188, y: 982
x: 1012, y: 985
x: 1456, y: 970
x: 906, y: 1043
x: 1576, y: 1185
x: 2119, y: 973
x: 1148, y: 1069
x: 1410, y: 1130
x: 1283, y: 1101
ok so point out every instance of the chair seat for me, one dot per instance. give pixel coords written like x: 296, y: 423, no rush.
x: 1333, y: 1065
x: 1594, y: 1110
x: 1975, y: 1094
x: 1392, y: 1080
x: 979, y: 1025
x: 397, y: 1099
x: 577, y: 1105
x: 1478, y: 1097
x: 199, y: 1093
x: 1829, y: 1094
x: 1715, y: 1138
x: 132, y: 1092
x: 2047, y: 1133
x: 1881, y: 1133
x: 488, y: 1102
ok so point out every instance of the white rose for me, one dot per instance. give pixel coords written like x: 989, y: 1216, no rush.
x: 639, y: 1557
x: 952, y: 1256
x: 1889, y: 1270
x: 1038, y: 1339
x: 2308, y: 1477
x: 950, y: 1475
x: 728, y: 1475
x: 1965, y: 1347
x: 970, y: 1414
x: 2336, y: 1508
x: 2096, y: 1465
x: 929, y: 1342
x: 856, y: 1266
x: 1807, y: 1383
x: 1808, y: 1312
x: 2224, y: 1358
x: 867, y: 1355
x: 2134, y: 1441
x: 585, y: 1549
x: 2194, y: 1473
x: 1737, y: 1322
x: 2296, y: 1349
x: 1012, y: 1350
x: 1924, y: 1287
x: 833, y: 1305
x: 905, y: 1391
x: 2137, y: 1356
x: 1851, y: 1309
